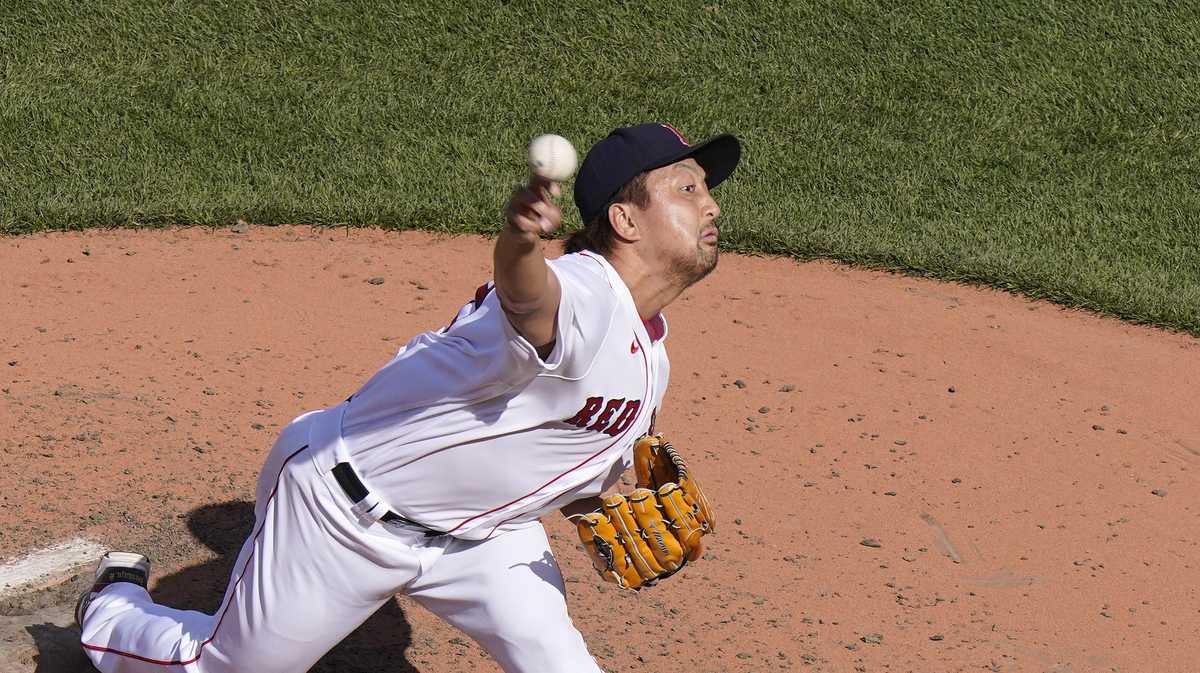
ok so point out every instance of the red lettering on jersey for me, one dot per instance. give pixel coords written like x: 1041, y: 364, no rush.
x: 628, y: 414
x: 584, y: 415
x: 606, y: 415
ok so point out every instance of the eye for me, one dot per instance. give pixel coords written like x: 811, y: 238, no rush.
x: 689, y: 188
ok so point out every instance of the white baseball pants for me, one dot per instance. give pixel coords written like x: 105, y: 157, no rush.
x: 309, y: 574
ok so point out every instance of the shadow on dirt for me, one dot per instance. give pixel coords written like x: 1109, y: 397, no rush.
x: 378, y: 646
x: 58, y: 649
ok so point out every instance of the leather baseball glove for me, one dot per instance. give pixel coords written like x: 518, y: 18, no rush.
x: 650, y: 534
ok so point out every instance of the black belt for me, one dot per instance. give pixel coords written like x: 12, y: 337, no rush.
x: 355, y: 490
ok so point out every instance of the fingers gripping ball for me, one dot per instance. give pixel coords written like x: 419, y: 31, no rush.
x: 653, y: 532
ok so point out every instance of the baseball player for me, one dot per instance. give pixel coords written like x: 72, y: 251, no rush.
x: 430, y: 480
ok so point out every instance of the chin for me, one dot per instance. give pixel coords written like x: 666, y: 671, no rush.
x: 706, y: 264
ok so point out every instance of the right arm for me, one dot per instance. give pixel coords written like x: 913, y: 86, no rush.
x: 529, y: 291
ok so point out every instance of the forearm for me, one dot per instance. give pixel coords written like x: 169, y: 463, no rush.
x: 528, y: 290
x: 521, y: 273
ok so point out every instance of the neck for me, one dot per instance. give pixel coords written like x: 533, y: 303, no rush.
x: 652, y: 290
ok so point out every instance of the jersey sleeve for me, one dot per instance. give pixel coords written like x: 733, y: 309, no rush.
x: 480, y: 353
x: 585, y: 309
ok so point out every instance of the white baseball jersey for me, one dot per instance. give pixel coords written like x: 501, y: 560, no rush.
x: 468, y: 431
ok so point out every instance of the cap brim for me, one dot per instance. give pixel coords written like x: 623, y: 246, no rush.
x: 718, y: 156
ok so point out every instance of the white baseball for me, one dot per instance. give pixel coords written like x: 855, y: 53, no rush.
x: 552, y: 157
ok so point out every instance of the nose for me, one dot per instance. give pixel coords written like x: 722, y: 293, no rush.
x: 711, y: 209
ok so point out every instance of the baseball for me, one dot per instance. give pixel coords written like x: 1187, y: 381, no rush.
x: 552, y: 157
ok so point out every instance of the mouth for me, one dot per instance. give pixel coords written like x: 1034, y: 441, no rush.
x: 710, y: 236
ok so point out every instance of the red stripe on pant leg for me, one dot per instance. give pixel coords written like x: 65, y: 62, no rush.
x: 225, y: 609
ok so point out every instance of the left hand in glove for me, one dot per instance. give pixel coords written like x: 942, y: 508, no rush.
x: 650, y: 534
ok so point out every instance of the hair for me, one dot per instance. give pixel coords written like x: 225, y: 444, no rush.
x: 597, y: 234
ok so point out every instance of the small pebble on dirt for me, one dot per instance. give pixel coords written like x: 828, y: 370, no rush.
x: 937, y: 636
x: 950, y: 389
x: 1160, y: 492
x: 871, y: 542
x: 787, y: 388
x: 375, y: 280
x: 873, y: 638
x: 739, y: 383
x: 956, y: 480
x: 1098, y: 428
x: 763, y: 410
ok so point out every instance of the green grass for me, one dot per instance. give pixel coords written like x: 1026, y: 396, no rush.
x: 1044, y: 147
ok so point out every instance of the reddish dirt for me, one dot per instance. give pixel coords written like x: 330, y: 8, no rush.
x: 1028, y: 473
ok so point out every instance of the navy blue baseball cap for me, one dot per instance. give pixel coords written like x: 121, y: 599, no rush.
x: 614, y: 161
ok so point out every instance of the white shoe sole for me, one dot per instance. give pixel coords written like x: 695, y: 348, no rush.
x: 123, y: 560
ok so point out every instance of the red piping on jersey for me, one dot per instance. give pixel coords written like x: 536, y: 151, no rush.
x: 646, y: 367
x: 224, y: 610
x: 603, y: 268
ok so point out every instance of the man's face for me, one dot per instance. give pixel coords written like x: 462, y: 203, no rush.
x: 679, y: 225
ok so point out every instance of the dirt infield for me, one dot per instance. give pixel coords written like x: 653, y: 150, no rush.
x: 910, y: 475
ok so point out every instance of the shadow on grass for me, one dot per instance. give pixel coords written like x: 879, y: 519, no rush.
x: 378, y: 646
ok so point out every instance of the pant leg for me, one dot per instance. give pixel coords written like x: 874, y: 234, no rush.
x: 306, y: 577
x: 507, y: 593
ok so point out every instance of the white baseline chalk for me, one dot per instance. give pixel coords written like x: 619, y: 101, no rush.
x: 46, y: 563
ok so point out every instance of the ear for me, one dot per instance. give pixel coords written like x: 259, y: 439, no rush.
x: 621, y: 215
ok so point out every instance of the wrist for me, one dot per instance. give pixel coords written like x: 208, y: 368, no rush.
x: 518, y: 235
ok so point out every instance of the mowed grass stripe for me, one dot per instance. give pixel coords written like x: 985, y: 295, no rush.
x: 1045, y: 148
